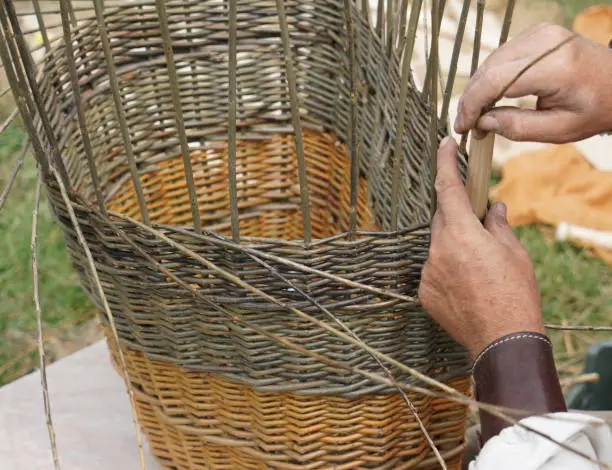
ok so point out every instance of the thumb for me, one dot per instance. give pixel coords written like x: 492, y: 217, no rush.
x: 496, y: 224
x: 547, y: 125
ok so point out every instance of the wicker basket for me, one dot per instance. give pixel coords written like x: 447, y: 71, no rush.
x: 210, y: 391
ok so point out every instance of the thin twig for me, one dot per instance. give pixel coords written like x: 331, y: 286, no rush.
x: 9, y: 119
x: 14, y: 172
x: 106, y: 308
x: 578, y: 327
x: 591, y: 378
x: 39, y: 328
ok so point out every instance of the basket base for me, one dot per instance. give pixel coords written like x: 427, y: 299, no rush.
x: 197, y: 421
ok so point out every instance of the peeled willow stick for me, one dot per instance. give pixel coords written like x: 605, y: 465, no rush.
x: 481, y: 151
x: 479, y: 173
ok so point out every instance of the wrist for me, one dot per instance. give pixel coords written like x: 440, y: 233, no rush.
x: 517, y: 371
x: 606, y: 91
x: 532, y: 324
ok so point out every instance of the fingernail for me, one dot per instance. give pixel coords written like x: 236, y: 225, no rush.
x: 444, y: 141
x: 488, y: 124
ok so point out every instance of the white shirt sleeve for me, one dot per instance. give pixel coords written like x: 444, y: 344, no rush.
x: 518, y: 448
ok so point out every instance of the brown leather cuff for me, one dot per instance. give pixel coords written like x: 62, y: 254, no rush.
x: 517, y: 371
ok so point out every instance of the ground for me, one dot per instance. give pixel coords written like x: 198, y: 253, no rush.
x: 576, y: 288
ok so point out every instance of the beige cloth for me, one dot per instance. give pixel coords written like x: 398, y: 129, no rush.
x: 556, y: 184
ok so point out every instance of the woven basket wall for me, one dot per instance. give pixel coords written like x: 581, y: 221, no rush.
x: 210, y: 392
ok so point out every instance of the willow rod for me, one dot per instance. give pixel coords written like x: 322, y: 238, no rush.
x: 436, y: 13
x: 413, y: 23
x: 39, y: 328
x: 78, y: 102
x: 17, y: 45
x: 295, y: 116
x: 231, y: 151
x: 14, y: 172
x: 21, y: 99
x: 452, y: 72
x: 353, y: 117
x: 119, y: 111
x: 105, y: 306
x: 178, y: 113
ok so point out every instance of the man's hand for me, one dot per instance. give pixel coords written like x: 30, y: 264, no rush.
x: 478, y: 282
x: 573, y: 86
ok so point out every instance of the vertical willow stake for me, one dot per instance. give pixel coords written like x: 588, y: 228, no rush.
x: 433, y: 77
x: 353, y: 118
x: 452, y: 72
x: 232, y: 91
x: 120, y: 112
x: 390, y: 23
x: 481, y: 151
x: 365, y: 9
x: 434, y: 37
x: 401, y: 118
x: 401, y: 28
x: 17, y: 45
x: 76, y: 94
x: 480, y: 8
x: 413, y: 24
x: 380, y: 18
x: 178, y: 112
x: 505, y: 32
x: 21, y: 99
x: 295, y: 115
x: 41, y: 25
x: 39, y: 329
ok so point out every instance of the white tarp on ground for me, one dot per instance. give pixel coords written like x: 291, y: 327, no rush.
x: 91, y: 414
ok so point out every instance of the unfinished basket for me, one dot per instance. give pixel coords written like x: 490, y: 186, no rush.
x: 232, y: 167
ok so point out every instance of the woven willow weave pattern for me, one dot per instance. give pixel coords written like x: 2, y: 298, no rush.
x: 139, y: 132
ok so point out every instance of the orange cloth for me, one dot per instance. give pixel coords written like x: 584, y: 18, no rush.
x: 556, y: 184
x: 595, y: 23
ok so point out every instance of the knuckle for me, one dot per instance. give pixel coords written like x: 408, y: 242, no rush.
x: 443, y: 185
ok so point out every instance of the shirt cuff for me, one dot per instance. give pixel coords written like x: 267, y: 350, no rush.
x: 517, y: 371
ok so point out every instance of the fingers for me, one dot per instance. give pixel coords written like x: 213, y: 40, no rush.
x: 488, y: 85
x: 513, y: 65
x: 453, y: 203
x: 553, y: 126
x: 496, y: 224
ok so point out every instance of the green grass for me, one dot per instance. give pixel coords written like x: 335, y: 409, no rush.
x: 62, y: 300
x: 572, y: 7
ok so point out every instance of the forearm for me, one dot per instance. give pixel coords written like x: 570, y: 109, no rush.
x: 517, y: 371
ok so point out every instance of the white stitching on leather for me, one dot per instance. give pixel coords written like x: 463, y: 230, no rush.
x: 511, y: 337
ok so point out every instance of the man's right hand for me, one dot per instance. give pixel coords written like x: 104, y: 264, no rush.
x: 573, y: 86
